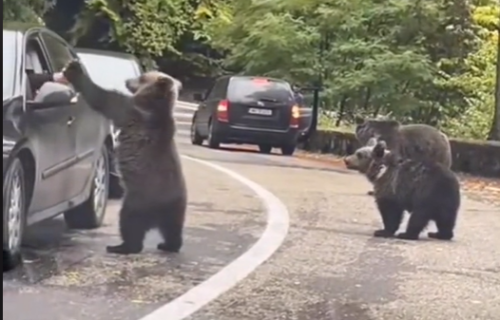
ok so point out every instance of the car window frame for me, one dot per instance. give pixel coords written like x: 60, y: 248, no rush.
x: 61, y: 41
x: 34, y: 35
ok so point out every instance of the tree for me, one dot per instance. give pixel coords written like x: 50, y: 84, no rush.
x: 149, y: 29
x: 401, y: 56
x: 495, y: 127
x: 30, y: 11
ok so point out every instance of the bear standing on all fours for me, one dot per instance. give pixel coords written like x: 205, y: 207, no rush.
x: 429, y: 191
x: 414, y: 141
x: 147, y: 157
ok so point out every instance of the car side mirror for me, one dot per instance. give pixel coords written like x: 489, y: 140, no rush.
x: 53, y: 95
x: 198, y: 97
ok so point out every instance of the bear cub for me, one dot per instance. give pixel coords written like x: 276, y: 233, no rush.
x: 426, y: 189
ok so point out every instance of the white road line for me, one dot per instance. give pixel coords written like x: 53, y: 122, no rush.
x: 183, y: 123
x: 183, y: 132
x: 186, y: 105
x: 183, y: 114
x: 209, y: 290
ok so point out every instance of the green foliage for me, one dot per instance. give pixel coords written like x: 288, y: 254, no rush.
x: 422, y: 60
x: 27, y: 11
x: 150, y: 29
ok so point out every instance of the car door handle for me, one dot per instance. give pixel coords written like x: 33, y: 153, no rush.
x: 74, y: 99
x: 70, y: 121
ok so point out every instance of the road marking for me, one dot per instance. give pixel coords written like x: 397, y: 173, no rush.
x: 270, y: 240
x: 187, y: 105
x: 183, y: 132
x: 183, y: 114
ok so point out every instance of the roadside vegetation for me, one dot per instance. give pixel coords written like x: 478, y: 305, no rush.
x: 426, y: 61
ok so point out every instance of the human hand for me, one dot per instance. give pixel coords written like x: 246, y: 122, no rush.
x: 60, y: 78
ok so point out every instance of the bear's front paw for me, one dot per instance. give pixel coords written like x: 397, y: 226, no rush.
x: 407, y: 236
x: 73, y: 70
x: 383, y: 234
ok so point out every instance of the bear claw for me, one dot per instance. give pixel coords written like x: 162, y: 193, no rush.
x: 407, y: 236
x: 123, y: 249
x: 383, y: 234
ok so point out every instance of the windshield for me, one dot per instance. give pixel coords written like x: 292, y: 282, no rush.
x: 259, y: 89
x: 9, y: 61
x: 109, y: 72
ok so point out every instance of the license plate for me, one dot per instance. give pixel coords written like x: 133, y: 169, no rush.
x: 263, y: 112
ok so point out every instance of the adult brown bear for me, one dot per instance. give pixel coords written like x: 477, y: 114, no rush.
x: 147, y: 157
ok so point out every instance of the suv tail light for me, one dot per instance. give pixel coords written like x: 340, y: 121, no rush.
x: 294, y: 119
x: 222, y: 111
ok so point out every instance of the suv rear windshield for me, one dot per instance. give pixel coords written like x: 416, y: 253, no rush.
x: 259, y: 89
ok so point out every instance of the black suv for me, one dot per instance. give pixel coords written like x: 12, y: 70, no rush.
x: 250, y: 110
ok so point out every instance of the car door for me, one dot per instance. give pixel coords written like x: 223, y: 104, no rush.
x: 86, y: 128
x: 208, y: 107
x: 48, y: 131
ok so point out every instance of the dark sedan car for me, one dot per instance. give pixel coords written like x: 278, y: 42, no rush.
x: 251, y: 110
x: 55, y: 148
x: 110, y: 70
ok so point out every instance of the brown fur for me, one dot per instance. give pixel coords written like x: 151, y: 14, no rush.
x: 427, y: 190
x: 413, y: 141
x: 147, y: 156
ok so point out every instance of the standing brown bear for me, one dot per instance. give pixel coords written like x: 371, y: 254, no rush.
x: 147, y: 156
x: 428, y: 190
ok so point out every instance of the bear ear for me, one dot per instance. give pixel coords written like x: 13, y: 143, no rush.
x: 372, y: 142
x: 359, y: 120
x: 380, y: 149
x: 164, y: 82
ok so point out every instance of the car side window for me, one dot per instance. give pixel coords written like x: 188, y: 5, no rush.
x: 35, y: 62
x: 59, y: 52
x: 217, y: 91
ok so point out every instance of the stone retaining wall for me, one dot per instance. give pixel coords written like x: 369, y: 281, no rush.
x: 473, y: 157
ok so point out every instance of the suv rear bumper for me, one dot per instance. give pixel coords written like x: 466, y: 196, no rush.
x: 226, y: 133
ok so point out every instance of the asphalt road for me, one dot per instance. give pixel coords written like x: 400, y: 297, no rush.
x: 328, y: 267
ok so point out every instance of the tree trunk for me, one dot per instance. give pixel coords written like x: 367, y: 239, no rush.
x: 495, y: 127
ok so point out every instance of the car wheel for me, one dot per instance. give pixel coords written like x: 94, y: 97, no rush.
x: 213, y: 143
x: 264, y: 148
x: 196, y: 139
x: 90, y: 214
x: 14, y: 214
x: 288, y: 150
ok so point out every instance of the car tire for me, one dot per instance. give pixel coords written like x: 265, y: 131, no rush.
x: 90, y: 214
x: 288, y: 150
x: 196, y: 139
x: 213, y: 142
x: 264, y: 148
x: 14, y: 214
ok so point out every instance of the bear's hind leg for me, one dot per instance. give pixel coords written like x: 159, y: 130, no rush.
x: 417, y: 222
x: 171, y: 224
x: 392, y: 214
x: 445, y: 230
x: 133, y: 228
